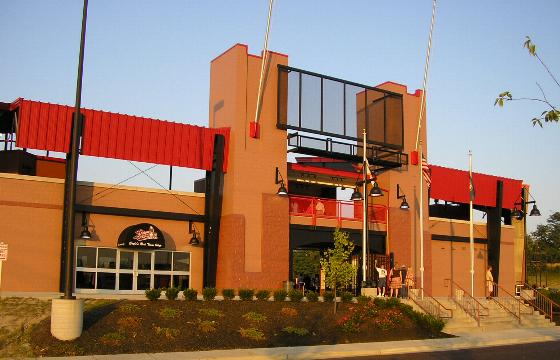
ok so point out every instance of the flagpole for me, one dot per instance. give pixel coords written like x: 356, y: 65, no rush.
x: 365, y: 222
x: 421, y: 205
x: 471, y: 230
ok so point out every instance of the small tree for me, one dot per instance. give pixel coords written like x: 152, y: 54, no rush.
x: 336, y: 263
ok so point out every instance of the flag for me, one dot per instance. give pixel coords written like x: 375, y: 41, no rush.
x: 471, y: 186
x: 426, y: 172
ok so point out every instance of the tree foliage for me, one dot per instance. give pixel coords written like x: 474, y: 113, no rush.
x: 551, y: 112
x: 336, y: 262
x: 306, y: 262
x: 544, y: 243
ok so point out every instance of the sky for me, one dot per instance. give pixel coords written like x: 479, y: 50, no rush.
x: 152, y: 58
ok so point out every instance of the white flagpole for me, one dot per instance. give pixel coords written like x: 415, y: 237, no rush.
x: 364, y: 215
x: 421, y: 205
x: 471, y: 230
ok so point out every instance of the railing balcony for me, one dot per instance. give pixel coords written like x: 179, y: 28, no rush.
x: 339, y: 210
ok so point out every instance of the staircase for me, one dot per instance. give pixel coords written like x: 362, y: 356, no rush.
x: 496, y: 318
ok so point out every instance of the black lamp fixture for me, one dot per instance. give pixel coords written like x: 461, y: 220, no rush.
x: 519, y: 214
x: 85, y: 234
x: 376, y: 190
x: 195, y: 241
x: 404, y: 203
x: 356, y: 194
x: 282, y: 191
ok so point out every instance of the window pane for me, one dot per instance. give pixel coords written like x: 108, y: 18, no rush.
x: 106, y: 281
x: 125, y: 281
x: 143, y: 282
x: 181, y: 281
x: 162, y: 281
x: 85, y: 280
x: 86, y: 257
x: 127, y: 260
x: 144, y: 261
x: 163, y: 260
x: 181, y: 261
x: 106, y: 258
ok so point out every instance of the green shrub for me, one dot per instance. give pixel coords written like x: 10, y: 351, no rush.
x: 292, y: 330
x: 362, y: 299
x: 211, y: 312
x: 169, y: 333
x: 252, y: 333
x: 172, y: 293
x: 254, y: 316
x: 112, y: 338
x: 190, y: 294
x: 295, y: 295
x: 328, y: 296
x: 209, y: 293
x: 262, y: 295
x: 129, y: 308
x: 312, y: 296
x: 280, y: 295
x: 228, y: 294
x: 346, y: 297
x: 169, y: 313
x: 207, y: 326
x: 246, y: 294
x: 153, y: 294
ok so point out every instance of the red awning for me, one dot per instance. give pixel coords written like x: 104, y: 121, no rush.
x: 45, y: 126
x: 453, y: 185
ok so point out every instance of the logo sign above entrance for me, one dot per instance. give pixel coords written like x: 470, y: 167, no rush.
x: 141, y: 236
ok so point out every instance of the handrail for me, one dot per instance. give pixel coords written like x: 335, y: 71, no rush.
x: 469, y: 304
x: 540, y: 301
x: 339, y: 210
x: 429, y: 304
x: 509, y: 303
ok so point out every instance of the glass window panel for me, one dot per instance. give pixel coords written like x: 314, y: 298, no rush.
x: 143, y: 282
x: 375, y: 113
x: 86, y: 257
x: 293, y: 98
x: 333, y: 107
x: 355, y: 100
x: 162, y: 281
x: 311, y: 102
x: 127, y: 260
x: 181, y: 261
x: 125, y: 281
x: 181, y: 281
x: 106, y: 280
x: 85, y: 280
x: 106, y: 258
x: 144, y: 261
x: 163, y: 260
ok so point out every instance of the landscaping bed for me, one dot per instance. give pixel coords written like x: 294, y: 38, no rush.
x: 169, y: 326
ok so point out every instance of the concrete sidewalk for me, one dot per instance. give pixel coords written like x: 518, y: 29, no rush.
x: 468, y: 341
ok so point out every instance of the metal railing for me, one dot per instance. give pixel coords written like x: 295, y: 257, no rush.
x: 509, y: 302
x: 429, y: 304
x: 339, y: 210
x: 465, y: 301
x: 540, y: 302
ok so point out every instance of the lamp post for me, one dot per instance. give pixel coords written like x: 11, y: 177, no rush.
x: 521, y: 215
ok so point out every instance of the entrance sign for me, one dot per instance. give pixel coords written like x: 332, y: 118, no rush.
x: 141, y: 236
x: 3, y: 251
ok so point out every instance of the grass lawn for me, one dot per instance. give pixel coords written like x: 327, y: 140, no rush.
x: 125, y: 326
x: 550, y: 279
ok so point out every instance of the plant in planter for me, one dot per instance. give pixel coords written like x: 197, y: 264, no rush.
x: 209, y: 293
x: 295, y: 295
x: 312, y: 296
x: 280, y: 295
x: 262, y: 295
x: 153, y: 294
x: 190, y: 294
x: 346, y: 297
x: 228, y: 294
x: 328, y: 296
x: 246, y: 294
x: 172, y: 293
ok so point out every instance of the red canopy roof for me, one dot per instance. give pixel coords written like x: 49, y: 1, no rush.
x: 453, y: 185
x: 45, y: 126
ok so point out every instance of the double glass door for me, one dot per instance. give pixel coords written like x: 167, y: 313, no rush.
x: 109, y: 270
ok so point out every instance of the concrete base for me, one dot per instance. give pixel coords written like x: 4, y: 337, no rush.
x: 371, y: 292
x: 67, y: 318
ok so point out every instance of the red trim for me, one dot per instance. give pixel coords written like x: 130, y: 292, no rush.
x: 226, y: 51
x: 322, y: 170
x: 254, y: 130
x: 311, y: 159
x: 50, y: 158
x: 414, y: 157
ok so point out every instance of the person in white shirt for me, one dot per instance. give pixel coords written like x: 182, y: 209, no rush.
x: 382, y: 281
x: 489, y: 281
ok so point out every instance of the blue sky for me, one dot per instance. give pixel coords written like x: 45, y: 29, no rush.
x: 151, y: 58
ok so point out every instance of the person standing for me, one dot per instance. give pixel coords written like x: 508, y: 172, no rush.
x: 489, y: 281
x: 409, y: 280
x: 396, y: 282
x: 382, y: 282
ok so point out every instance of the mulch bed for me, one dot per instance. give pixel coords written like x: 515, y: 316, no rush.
x: 169, y: 326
